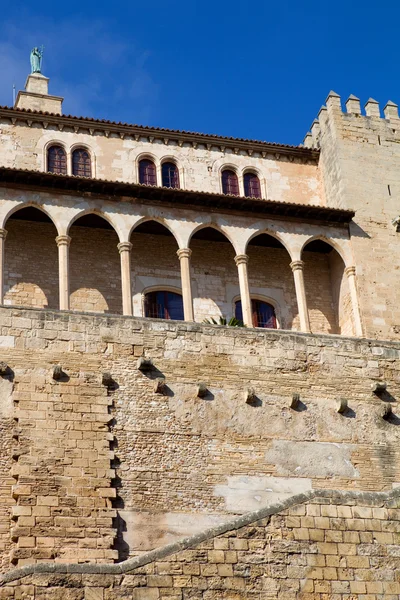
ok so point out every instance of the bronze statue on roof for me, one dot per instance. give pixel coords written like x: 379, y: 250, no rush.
x: 36, y: 60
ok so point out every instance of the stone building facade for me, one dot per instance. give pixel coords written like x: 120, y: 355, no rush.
x: 130, y: 421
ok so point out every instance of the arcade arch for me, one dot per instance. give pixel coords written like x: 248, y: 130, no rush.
x: 30, y: 259
x: 327, y: 289
x: 94, y: 266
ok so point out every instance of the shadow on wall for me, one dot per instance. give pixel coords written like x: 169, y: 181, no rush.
x: 95, y: 272
x: 31, y: 260
x: 119, y: 524
x: 327, y: 290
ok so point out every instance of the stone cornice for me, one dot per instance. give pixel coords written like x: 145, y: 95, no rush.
x: 137, y: 132
x: 177, y: 198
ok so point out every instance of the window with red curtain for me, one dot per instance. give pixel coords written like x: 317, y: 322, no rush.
x: 252, y: 188
x: 164, y: 305
x: 170, y: 175
x: 263, y: 314
x: 81, y: 163
x: 230, y: 183
x: 57, y: 160
x: 147, y: 172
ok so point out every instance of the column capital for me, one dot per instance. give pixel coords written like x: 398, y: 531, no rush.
x: 350, y: 271
x: 124, y: 247
x: 3, y: 234
x: 184, y: 253
x: 63, y: 240
x: 297, y: 265
x: 241, y: 259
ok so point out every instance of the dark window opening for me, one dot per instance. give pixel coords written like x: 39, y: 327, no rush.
x: 262, y: 312
x: 147, y: 172
x: 164, y: 305
x: 252, y: 188
x: 170, y: 175
x: 230, y: 183
x: 56, y: 160
x: 81, y: 163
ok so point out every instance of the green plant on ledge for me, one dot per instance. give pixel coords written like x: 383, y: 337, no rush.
x: 233, y: 322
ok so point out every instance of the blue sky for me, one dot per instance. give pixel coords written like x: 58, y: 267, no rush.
x: 259, y: 70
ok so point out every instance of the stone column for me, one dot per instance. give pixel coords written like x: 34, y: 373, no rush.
x: 63, y: 242
x: 297, y: 268
x: 351, y: 276
x: 3, y: 235
x: 125, y: 253
x: 241, y: 261
x: 184, y: 257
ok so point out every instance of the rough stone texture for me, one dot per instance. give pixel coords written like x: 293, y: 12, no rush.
x: 313, y: 547
x: 359, y: 165
x: 177, y: 456
x: 199, y: 169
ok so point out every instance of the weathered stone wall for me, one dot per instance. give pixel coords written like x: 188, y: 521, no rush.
x: 318, y: 546
x: 360, y: 164
x: 182, y: 463
x: 117, y: 159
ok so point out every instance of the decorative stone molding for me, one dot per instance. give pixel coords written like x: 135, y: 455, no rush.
x: 3, y: 234
x: 297, y: 265
x: 63, y: 240
x: 124, y: 247
x: 241, y: 259
x: 350, y: 271
x: 184, y: 253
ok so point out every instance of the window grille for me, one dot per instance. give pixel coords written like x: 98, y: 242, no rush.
x: 170, y: 175
x: 81, y: 163
x: 147, y: 172
x: 230, y: 183
x: 56, y: 160
x: 252, y: 188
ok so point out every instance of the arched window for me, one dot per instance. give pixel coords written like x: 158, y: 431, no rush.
x: 81, y: 163
x: 147, y: 172
x: 230, y: 184
x: 57, y: 160
x: 164, y: 305
x: 170, y: 175
x: 263, y: 314
x: 252, y: 188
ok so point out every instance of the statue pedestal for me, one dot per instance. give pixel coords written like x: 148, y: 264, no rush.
x: 36, y: 96
x: 37, y: 84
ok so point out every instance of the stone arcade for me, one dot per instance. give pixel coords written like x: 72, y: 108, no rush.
x: 149, y: 454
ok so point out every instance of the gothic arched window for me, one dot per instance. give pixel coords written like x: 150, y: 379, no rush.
x: 230, y: 183
x: 262, y: 312
x: 163, y: 305
x: 252, y: 188
x: 170, y: 175
x: 81, y: 163
x: 57, y: 160
x: 147, y: 172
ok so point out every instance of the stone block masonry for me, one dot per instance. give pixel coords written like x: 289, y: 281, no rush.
x: 316, y: 546
x: 96, y: 473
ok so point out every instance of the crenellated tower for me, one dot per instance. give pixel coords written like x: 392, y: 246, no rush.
x: 360, y: 164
